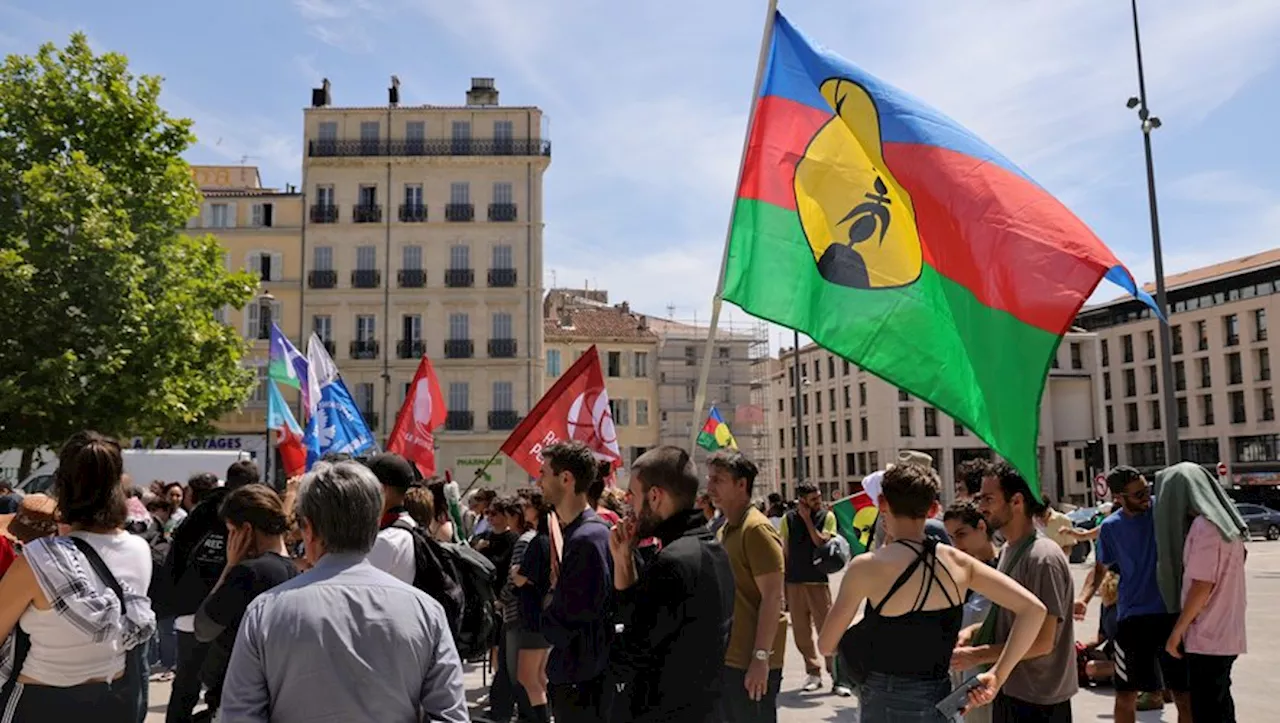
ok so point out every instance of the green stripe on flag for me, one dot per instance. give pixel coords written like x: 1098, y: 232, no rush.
x: 933, y: 338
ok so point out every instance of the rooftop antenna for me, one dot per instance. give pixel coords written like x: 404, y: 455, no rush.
x: 553, y: 278
x: 671, y: 311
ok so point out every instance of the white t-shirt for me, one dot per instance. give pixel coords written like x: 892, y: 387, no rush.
x: 62, y: 654
x: 393, y: 552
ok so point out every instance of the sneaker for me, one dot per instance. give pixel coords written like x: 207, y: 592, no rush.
x: 843, y: 691
x: 812, y: 683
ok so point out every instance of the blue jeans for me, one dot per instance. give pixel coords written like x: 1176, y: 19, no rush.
x: 893, y: 699
x: 164, y: 645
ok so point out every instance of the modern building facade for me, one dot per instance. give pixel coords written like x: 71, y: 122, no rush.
x: 260, y: 231
x: 423, y: 235
x: 854, y: 423
x: 1221, y: 367
x: 574, y: 321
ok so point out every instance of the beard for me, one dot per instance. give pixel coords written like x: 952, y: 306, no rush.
x: 647, y: 520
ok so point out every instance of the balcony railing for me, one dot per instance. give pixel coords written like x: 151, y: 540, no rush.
x: 409, y: 348
x: 502, y: 212
x: 459, y: 278
x: 502, y: 277
x: 324, y: 213
x: 364, y: 349
x: 413, y: 212
x: 459, y: 421
x: 459, y: 349
x: 431, y: 147
x: 366, y: 279
x: 502, y: 420
x: 322, y: 279
x: 412, y: 278
x: 330, y: 347
x: 460, y: 212
x: 366, y: 213
x: 502, y: 348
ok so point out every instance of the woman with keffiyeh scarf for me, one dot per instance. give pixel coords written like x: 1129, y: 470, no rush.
x: 1200, y: 541
x: 74, y: 616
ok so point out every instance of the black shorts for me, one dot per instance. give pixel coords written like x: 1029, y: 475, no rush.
x: 1141, y: 661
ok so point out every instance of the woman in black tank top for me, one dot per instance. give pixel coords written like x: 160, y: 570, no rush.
x: 900, y: 652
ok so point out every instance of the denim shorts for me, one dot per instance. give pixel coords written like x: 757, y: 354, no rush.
x: 894, y: 699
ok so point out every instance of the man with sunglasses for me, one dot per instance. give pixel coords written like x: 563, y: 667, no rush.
x: 1127, y: 546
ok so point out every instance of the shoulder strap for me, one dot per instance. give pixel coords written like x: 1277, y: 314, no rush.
x: 902, y: 579
x: 100, y: 568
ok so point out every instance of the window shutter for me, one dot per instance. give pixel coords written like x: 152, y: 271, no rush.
x: 206, y: 215
x: 257, y: 214
x: 251, y: 327
x: 277, y: 311
x: 277, y: 266
x: 253, y: 263
x: 231, y: 215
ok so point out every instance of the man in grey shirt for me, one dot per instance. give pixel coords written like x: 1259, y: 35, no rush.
x: 343, y: 641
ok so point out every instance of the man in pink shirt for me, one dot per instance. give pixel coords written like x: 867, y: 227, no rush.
x: 1210, y: 632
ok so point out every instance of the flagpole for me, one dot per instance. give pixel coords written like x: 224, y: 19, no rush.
x: 480, y: 473
x: 700, y: 398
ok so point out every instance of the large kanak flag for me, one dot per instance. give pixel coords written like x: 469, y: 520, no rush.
x: 423, y: 412
x: 575, y: 408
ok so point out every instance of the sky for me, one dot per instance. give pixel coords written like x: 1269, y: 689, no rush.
x: 647, y: 104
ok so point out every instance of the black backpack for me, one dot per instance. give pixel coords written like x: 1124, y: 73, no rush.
x: 462, y: 581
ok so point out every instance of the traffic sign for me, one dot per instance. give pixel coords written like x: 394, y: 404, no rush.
x: 1222, y: 469
x: 1100, y: 487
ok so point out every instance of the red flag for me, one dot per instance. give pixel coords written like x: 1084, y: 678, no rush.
x: 421, y: 414
x: 292, y: 454
x: 575, y: 408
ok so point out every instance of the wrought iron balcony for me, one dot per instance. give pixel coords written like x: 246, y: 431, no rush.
x: 410, y: 348
x: 502, y: 212
x: 324, y: 213
x: 412, y: 278
x: 366, y: 213
x: 330, y: 347
x: 459, y: 278
x: 322, y: 279
x: 459, y: 421
x: 502, y: 348
x: 413, y: 212
x: 502, y: 420
x: 366, y: 279
x: 502, y: 277
x: 460, y: 212
x: 431, y: 147
x: 459, y: 349
x: 364, y: 349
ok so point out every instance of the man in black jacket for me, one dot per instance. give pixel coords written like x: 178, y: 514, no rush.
x: 677, y: 609
x: 195, y: 561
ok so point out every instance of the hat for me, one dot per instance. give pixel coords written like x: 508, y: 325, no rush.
x: 35, y: 518
x: 392, y: 470
x: 910, y: 456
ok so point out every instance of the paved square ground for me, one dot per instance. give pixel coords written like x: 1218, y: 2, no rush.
x: 1252, y: 684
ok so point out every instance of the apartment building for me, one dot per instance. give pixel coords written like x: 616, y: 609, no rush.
x: 260, y: 231
x: 854, y: 423
x: 1221, y: 369
x: 423, y: 234
x: 738, y: 351
x: 574, y: 320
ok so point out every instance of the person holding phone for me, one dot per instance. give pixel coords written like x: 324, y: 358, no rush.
x: 901, y: 652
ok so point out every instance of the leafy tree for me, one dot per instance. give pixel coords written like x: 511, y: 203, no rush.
x: 106, y: 307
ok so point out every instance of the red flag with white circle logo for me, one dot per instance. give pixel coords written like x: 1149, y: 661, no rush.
x: 575, y: 408
x: 422, y: 413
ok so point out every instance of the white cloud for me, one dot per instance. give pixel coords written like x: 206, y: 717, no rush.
x: 341, y: 23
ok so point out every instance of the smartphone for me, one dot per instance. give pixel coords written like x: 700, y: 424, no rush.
x: 951, y: 706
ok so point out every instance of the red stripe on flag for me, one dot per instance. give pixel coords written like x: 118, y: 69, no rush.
x: 781, y: 132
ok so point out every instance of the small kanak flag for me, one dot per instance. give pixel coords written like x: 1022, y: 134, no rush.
x: 715, y: 433
x: 287, y: 365
x: 288, y: 434
x: 856, y: 520
x: 423, y: 412
x: 575, y: 408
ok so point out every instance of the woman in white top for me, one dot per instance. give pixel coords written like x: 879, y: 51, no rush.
x: 75, y: 629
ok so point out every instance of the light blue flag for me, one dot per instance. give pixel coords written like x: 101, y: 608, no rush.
x: 337, y: 425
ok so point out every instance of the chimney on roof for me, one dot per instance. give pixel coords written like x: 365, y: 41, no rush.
x: 483, y: 92
x: 393, y: 93
x: 566, y: 320
x: 644, y: 322
x: 625, y: 307
x: 321, y: 97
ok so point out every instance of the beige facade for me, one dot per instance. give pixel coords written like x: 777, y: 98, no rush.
x: 855, y: 423
x: 628, y: 352
x: 260, y: 231
x: 423, y: 234
x: 1222, y: 371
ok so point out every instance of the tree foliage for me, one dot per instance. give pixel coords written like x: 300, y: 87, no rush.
x: 106, y: 306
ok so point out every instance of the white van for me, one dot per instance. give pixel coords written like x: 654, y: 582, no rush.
x: 147, y: 465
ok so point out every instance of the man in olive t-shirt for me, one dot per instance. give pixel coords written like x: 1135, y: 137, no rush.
x: 758, y: 638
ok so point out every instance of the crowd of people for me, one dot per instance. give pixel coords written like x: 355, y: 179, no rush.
x: 360, y: 590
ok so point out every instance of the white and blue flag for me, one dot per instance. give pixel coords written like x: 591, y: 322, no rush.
x: 334, y: 423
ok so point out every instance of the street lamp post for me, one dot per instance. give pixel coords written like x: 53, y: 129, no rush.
x: 264, y: 332
x: 1172, y: 452
x: 799, y: 415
